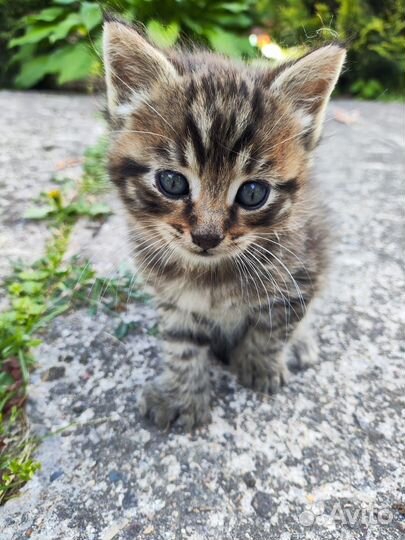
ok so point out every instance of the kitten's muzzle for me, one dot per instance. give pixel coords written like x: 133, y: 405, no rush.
x: 206, y: 241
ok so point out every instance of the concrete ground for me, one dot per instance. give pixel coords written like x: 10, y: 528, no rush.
x: 323, y: 460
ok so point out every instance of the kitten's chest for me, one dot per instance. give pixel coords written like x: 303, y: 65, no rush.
x: 215, y: 304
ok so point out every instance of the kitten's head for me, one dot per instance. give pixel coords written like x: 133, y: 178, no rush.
x: 208, y: 152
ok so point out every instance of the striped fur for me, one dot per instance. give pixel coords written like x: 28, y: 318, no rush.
x: 219, y: 123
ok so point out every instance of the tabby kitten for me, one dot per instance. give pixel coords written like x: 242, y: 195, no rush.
x: 211, y: 158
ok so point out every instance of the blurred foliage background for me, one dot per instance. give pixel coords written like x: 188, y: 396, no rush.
x: 57, y: 43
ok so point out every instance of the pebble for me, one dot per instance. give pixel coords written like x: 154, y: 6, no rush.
x: 263, y: 504
x: 249, y: 479
x: 55, y: 475
x: 53, y: 373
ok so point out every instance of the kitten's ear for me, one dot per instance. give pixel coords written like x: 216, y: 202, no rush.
x: 132, y: 65
x: 308, y: 84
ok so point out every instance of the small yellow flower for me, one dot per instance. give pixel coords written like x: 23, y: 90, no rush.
x: 56, y: 196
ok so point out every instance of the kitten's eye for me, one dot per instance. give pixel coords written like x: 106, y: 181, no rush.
x: 172, y: 184
x: 252, y: 195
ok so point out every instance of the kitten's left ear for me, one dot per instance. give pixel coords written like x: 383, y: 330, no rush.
x: 308, y: 84
x: 132, y: 65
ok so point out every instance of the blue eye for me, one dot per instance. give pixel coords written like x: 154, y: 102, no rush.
x: 252, y: 195
x: 172, y: 184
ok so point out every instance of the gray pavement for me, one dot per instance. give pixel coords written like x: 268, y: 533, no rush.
x: 41, y: 136
x: 323, y: 460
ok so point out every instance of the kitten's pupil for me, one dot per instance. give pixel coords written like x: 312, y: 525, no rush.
x: 252, y: 195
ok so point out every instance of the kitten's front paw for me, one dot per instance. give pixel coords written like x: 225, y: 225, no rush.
x: 302, y: 353
x: 165, y: 406
x: 261, y: 375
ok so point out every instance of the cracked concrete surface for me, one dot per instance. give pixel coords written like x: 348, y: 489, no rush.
x: 323, y: 459
x: 41, y: 136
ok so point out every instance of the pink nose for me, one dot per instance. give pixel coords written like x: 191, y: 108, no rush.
x: 207, y: 241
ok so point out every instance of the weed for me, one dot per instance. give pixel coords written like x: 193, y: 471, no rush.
x: 37, y: 294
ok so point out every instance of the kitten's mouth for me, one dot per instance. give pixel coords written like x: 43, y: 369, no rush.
x: 201, y: 255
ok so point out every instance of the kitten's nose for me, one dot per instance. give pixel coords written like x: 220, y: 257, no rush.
x: 206, y: 241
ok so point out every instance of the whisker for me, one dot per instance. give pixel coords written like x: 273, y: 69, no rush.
x: 300, y: 296
x: 142, y: 133
x: 288, y: 251
x: 273, y: 281
x: 246, y: 264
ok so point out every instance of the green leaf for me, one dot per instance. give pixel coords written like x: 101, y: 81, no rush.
x: 65, y: 27
x: 46, y: 15
x: 91, y: 15
x: 163, y: 36
x: 33, y: 275
x: 6, y: 380
x: 76, y: 208
x: 34, y: 342
x: 99, y: 209
x: 241, y: 21
x: 24, y: 54
x: 28, y: 306
x: 39, y: 212
x: 74, y: 63
x: 32, y: 287
x: 24, y: 363
x: 233, y: 7
x: 227, y: 43
x: 32, y: 71
x: 193, y: 25
x: 33, y: 35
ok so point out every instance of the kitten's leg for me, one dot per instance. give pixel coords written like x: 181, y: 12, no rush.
x: 303, y: 348
x: 182, y: 392
x: 260, y: 359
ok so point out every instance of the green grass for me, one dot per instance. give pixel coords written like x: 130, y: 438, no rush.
x: 68, y: 202
x: 37, y: 294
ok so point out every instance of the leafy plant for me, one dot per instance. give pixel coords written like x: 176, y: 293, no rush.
x: 59, y: 210
x: 71, y: 31
x: 374, y: 33
x: 60, y: 43
x: 69, y: 202
x: 10, y: 15
x: 16, y: 448
x: 37, y: 294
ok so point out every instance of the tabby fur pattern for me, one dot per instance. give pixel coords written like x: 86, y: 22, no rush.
x: 230, y: 283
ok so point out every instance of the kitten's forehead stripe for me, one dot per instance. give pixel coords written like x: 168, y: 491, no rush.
x: 195, y: 136
x: 163, y: 150
x: 222, y: 121
x: 222, y: 129
x: 180, y: 151
x: 252, y: 162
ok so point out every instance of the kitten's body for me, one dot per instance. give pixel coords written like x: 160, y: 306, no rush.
x: 232, y: 279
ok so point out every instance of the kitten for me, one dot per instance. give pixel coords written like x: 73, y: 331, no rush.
x: 211, y: 158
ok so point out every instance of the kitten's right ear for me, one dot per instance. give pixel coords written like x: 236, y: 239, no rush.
x: 307, y: 85
x: 132, y: 65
